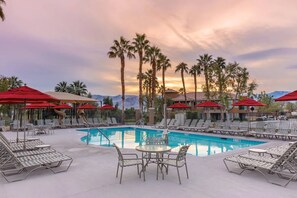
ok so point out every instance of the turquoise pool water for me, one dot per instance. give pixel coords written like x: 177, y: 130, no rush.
x: 201, y: 145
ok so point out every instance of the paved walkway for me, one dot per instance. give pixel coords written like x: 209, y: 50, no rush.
x: 92, y: 174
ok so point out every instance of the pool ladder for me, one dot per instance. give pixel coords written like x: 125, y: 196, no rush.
x: 99, y: 130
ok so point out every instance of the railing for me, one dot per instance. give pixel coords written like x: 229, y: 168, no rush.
x: 139, y: 122
x: 100, y: 133
x: 104, y: 136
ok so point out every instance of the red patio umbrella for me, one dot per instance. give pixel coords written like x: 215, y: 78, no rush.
x: 288, y: 97
x: 87, y: 106
x: 179, y: 105
x: 207, y: 104
x: 22, y: 95
x: 39, y: 105
x: 106, y: 107
x: 63, y: 106
x: 248, y: 102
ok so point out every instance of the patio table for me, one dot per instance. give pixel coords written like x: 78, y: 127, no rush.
x: 159, y: 150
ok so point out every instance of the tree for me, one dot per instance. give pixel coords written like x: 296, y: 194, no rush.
x: 239, y: 79
x: 62, y: 87
x: 108, y: 100
x: 140, y: 45
x: 220, y: 76
x: 78, y: 88
x: 163, y: 64
x: 195, y: 71
x: 205, y: 62
x: 151, y: 56
x: 120, y: 49
x: 14, y: 82
x: 2, y: 16
x: 183, y: 68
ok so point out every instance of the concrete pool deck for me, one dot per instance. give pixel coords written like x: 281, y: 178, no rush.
x: 92, y: 174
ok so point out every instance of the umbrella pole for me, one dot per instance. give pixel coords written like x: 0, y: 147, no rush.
x: 24, y: 145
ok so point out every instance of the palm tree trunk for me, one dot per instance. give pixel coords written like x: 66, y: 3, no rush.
x: 183, y: 80
x: 153, y: 84
x: 163, y: 81
x: 123, y: 87
x: 140, y: 83
x: 195, y: 84
x: 206, y: 82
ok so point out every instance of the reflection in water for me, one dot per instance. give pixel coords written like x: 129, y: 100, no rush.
x: 128, y: 137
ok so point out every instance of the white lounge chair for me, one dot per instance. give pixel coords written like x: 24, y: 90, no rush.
x: 283, y: 165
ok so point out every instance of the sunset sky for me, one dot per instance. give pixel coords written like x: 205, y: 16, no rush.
x: 44, y: 42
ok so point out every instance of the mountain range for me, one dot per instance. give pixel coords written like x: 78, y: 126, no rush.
x: 132, y: 100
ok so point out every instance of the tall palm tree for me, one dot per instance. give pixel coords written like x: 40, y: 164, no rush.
x: 195, y: 71
x: 120, y: 49
x: 163, y: 64
x: 14, y: 82
x: 2, y: 16
x: 205, y: 62
x: 78, y: 88
x: 62, y: 87
x: 183, y: 68
x: 219, y: 65
x: 151, y: 56
x: 140, y: 45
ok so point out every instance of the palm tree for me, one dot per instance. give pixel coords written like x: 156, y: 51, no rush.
x: 183, y: 68
x: 151, y: 56
x: 62, y: 87
x: 204, y: 62
x: 195, y: 71
x: 14, y: 82
x: 222, y: 78
x: 140, y: 45
x: 120, y: 49
x: 2, y: 16
x: 78, y: 88
x: 163, y: 64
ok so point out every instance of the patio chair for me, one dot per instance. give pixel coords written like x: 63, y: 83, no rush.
x: 259, y: 130
x: 126, y: 160
x: 185, y: 125
x: 203, y: 127
x: 67, y: 122
x: 19, y: 146
x: 15, y: 168
x: 192, y: 125
x: 2, y: 125
x: 114, y: 121
x: 283, y: 130
x: 178, y: 161
x: 283, y: 165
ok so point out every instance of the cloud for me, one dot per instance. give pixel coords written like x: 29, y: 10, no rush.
x: 69, y: 39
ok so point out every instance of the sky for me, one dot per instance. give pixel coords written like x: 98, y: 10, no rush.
x: 49, y: 41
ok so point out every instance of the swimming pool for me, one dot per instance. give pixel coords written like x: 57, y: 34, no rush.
x: 130, y: 137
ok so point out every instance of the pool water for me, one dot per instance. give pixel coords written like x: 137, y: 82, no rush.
x: 130, y: 137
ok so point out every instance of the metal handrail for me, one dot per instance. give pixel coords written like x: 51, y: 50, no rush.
x: 101, y: 134
x: 104, y: 136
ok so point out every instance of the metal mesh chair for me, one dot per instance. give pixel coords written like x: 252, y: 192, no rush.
x: 178, y: 161
x: 125, y: 160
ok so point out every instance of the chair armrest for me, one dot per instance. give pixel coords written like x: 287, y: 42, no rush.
x: 131, y: 154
